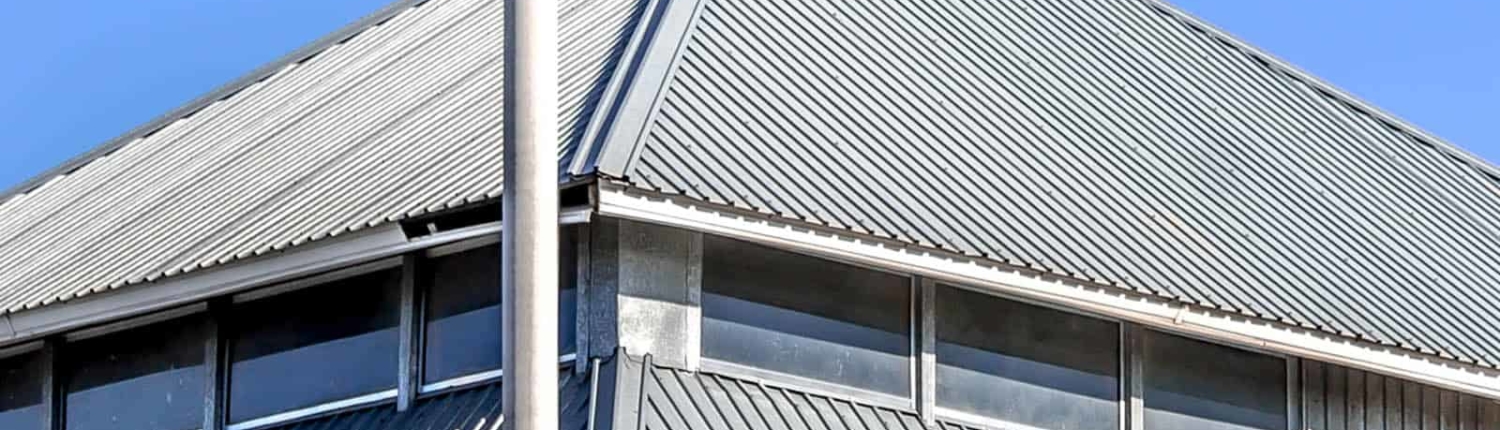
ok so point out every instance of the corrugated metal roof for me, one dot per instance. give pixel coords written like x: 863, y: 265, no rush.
x: 399, y: 118
x: 1112, y: 141
x: 672, y: 399
x: 475, y: 408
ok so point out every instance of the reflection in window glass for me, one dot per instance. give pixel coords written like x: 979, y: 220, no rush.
x: 1026, y: 364
x: 805, y: 316
x: 315, y: 345
x: 21, y: 392
x: 1192, y: 385
x: 463, y: 310
x: 144, y: 378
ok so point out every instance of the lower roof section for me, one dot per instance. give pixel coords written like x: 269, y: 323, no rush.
x: 475, y: 408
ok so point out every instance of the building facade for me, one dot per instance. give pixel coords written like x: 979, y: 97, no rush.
x: 776, y: 215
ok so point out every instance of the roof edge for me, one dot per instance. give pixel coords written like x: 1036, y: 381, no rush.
x: 1330, y: 90
x: 622, y: 201
x: 617, y: 131
x: 222, y: 92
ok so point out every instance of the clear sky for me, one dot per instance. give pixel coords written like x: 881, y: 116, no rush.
x: 77, y: 73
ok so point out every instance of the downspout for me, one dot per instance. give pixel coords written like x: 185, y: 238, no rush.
x: 529, y: 253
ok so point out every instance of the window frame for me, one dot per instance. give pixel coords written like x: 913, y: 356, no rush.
x: 768, y: 377
x: 1131, y: 366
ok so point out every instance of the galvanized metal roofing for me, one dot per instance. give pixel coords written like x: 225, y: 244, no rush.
x: 476, y: 408
x: 397, y: 116
x: 673, y: 399
x: 1113, y: 141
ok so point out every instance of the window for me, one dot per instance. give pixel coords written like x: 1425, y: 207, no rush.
x: 463, y: 334
x: 316, y: 345
x: 1026, y: 364
x: 149, y: 378
x: 1201, y: 386
x: 21, y: 391
x: 807, y: 317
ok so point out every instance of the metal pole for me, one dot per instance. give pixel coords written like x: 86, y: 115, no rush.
x: 529, y: 246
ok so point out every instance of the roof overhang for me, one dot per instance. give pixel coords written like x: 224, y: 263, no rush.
x: 372, y: 249
x: 628, y: 203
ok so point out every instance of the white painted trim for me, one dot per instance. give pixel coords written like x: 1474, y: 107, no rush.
x: 321, y: 409
x: 965, y: 418
x: 804, y: 384
x: 1228, y: 328
x: 127, y: 324
x: 463, y: 381
x: 365, y: 246
x: 319, y: 279
x: 482, y: 377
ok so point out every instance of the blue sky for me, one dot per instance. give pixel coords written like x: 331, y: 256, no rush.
x: 79, y: 72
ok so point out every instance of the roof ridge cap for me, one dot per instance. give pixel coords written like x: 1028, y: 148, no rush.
x: 616, y: 132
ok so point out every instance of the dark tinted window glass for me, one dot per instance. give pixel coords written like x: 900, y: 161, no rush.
x: 1192, y: 385
x: 315, y: 345
x: 1026, y: 364
x: 463, y: 310
x: 21, y: 392
x: 805, y: 316
x: 144, y: 378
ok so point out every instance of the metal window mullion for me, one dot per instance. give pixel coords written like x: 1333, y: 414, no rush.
x: 217, y: 362
x: 1293, y: 393
x: 53, y: 390
x: 1132, y: 377
x: 413, y: 304
x: 925, y: 307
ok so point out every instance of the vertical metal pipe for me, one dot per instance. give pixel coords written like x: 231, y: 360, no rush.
x: 529, y: 247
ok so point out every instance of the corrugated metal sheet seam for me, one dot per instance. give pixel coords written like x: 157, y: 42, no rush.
x: 674, y: 399
x: 396, y: 119
x: 220, y: 93
x: 476, y: 408
x: 1111, y: 142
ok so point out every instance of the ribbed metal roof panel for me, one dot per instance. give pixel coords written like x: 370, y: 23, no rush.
x: 1113, y: 141
x: 401, y: 118
x: 476, y: 408
x: 682, y: 400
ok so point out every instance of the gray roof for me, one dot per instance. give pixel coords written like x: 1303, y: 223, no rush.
x: 474, y: 408
x: 395, y: 117
x: 652, y: 397
x: 1115, y: 141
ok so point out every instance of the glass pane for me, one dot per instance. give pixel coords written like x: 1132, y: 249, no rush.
x: 144, y: 378
x: 805, y: 316
x: 463, y: 310
x: 1026, y: 364
x: 1201, y: 386
x: 21, y: 392
x: 315, y: 345
x: 463, y: 314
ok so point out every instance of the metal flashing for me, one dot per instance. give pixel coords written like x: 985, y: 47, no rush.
x: 620, y: 129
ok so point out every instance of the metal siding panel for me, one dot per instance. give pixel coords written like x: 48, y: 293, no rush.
x: 1315, y: 395
x: 1113, y: 142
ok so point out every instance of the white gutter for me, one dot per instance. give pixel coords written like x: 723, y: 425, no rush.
x: 317, y: 257
x: 1106, y: 301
